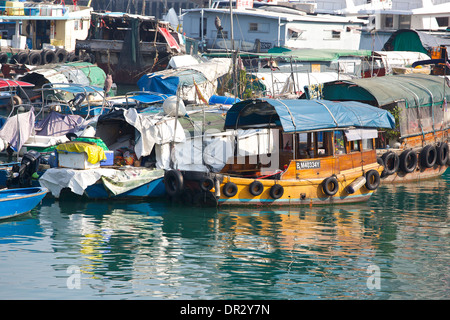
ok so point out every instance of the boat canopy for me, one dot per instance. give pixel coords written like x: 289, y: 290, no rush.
x: 306, y: 115
x: 8, y: 83
x: 417, y: 90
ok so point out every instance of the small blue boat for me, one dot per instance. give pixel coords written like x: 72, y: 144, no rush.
x: 15, y: 202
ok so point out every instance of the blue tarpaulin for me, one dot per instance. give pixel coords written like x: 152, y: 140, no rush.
x: 168, y: 84
x: 306, y: 115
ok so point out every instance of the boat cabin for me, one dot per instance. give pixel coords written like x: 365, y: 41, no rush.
x: 307, y: 139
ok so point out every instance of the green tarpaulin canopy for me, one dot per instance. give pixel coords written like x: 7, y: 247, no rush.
x: 418, y: 90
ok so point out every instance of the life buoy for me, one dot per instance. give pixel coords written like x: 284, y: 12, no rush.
x: 256, y: 188
x: 372, y: 180
x: 442, y: 153
x: 330, y: 186
x: 391, y: 163
x: 276, y: 191
x: 206, y: 184
x: 428, y: 156
x: 230, y: 189
x: 173, y: 181
x: 408, y: 161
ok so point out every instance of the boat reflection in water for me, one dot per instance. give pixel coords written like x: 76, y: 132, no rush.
x: 163, y: 250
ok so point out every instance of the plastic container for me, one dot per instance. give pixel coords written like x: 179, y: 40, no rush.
x: 75, y: 160
x: 109, y: 159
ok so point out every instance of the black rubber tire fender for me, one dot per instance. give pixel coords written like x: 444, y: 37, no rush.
x: 408, y: 161
x: 428, y: 156
x: 48, y: 56
x: 256, y: 188
x: 391, y: 163
x: 230, y: 189
x: 34, y: 59
x: 276, y: 191
x: 61, y: 55
x: 3, y: 57
x: 173, y: 181
x: 206, y: 184
x: 372, y: 180
x: 330, y: 181
x: 442, y: 153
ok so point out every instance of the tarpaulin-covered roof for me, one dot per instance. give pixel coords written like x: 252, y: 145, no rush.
x: 167, y: 81
x: 306, y: 115
x: 413, y: 40
x: 83, y: 73
x: 415, y: 89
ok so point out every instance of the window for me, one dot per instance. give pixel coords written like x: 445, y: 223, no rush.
x: 388, y: 21
x: 295, y: 33
x: 335, y: 34
x: 442, y: 21
x: 253, y: 26
x: 222, y: 34
x: 367, y: 144
x: 339, y: 145
x: 204, y: 27
x: 354, y: 146
x: 404, y: 21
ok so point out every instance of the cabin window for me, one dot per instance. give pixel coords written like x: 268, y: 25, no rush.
x: 304, y: 141
x: 204, y: 27
x: 253, y: 26
x: 287, y: 142
x: 388, y: 21
x: 442, y: 21
x: 404, y: 21
x: 367, y: 144
x: 354, y: 146
x: 339, y: 145
x: 222, y: 34
x: 335, y: 34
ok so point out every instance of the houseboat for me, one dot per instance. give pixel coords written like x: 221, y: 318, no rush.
x: 260, y: 29
x: 418, y: 147
x: 37, y: 33
x: 128, y: 46
x: 317, y: 152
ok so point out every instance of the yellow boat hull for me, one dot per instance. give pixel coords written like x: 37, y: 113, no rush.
x: 302, y: 192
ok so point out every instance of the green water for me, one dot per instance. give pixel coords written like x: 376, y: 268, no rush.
x: 396, y: 246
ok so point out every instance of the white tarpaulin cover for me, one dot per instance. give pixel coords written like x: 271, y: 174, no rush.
x: 116, y: 181
x: 153, y: 130
x: 18, y: 129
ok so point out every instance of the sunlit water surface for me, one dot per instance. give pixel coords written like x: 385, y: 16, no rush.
x: 396, y: 246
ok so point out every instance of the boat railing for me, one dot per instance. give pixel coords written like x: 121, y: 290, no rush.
x: 81, y: 95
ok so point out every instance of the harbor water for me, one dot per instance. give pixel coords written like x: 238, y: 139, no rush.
x: 396, y: 246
